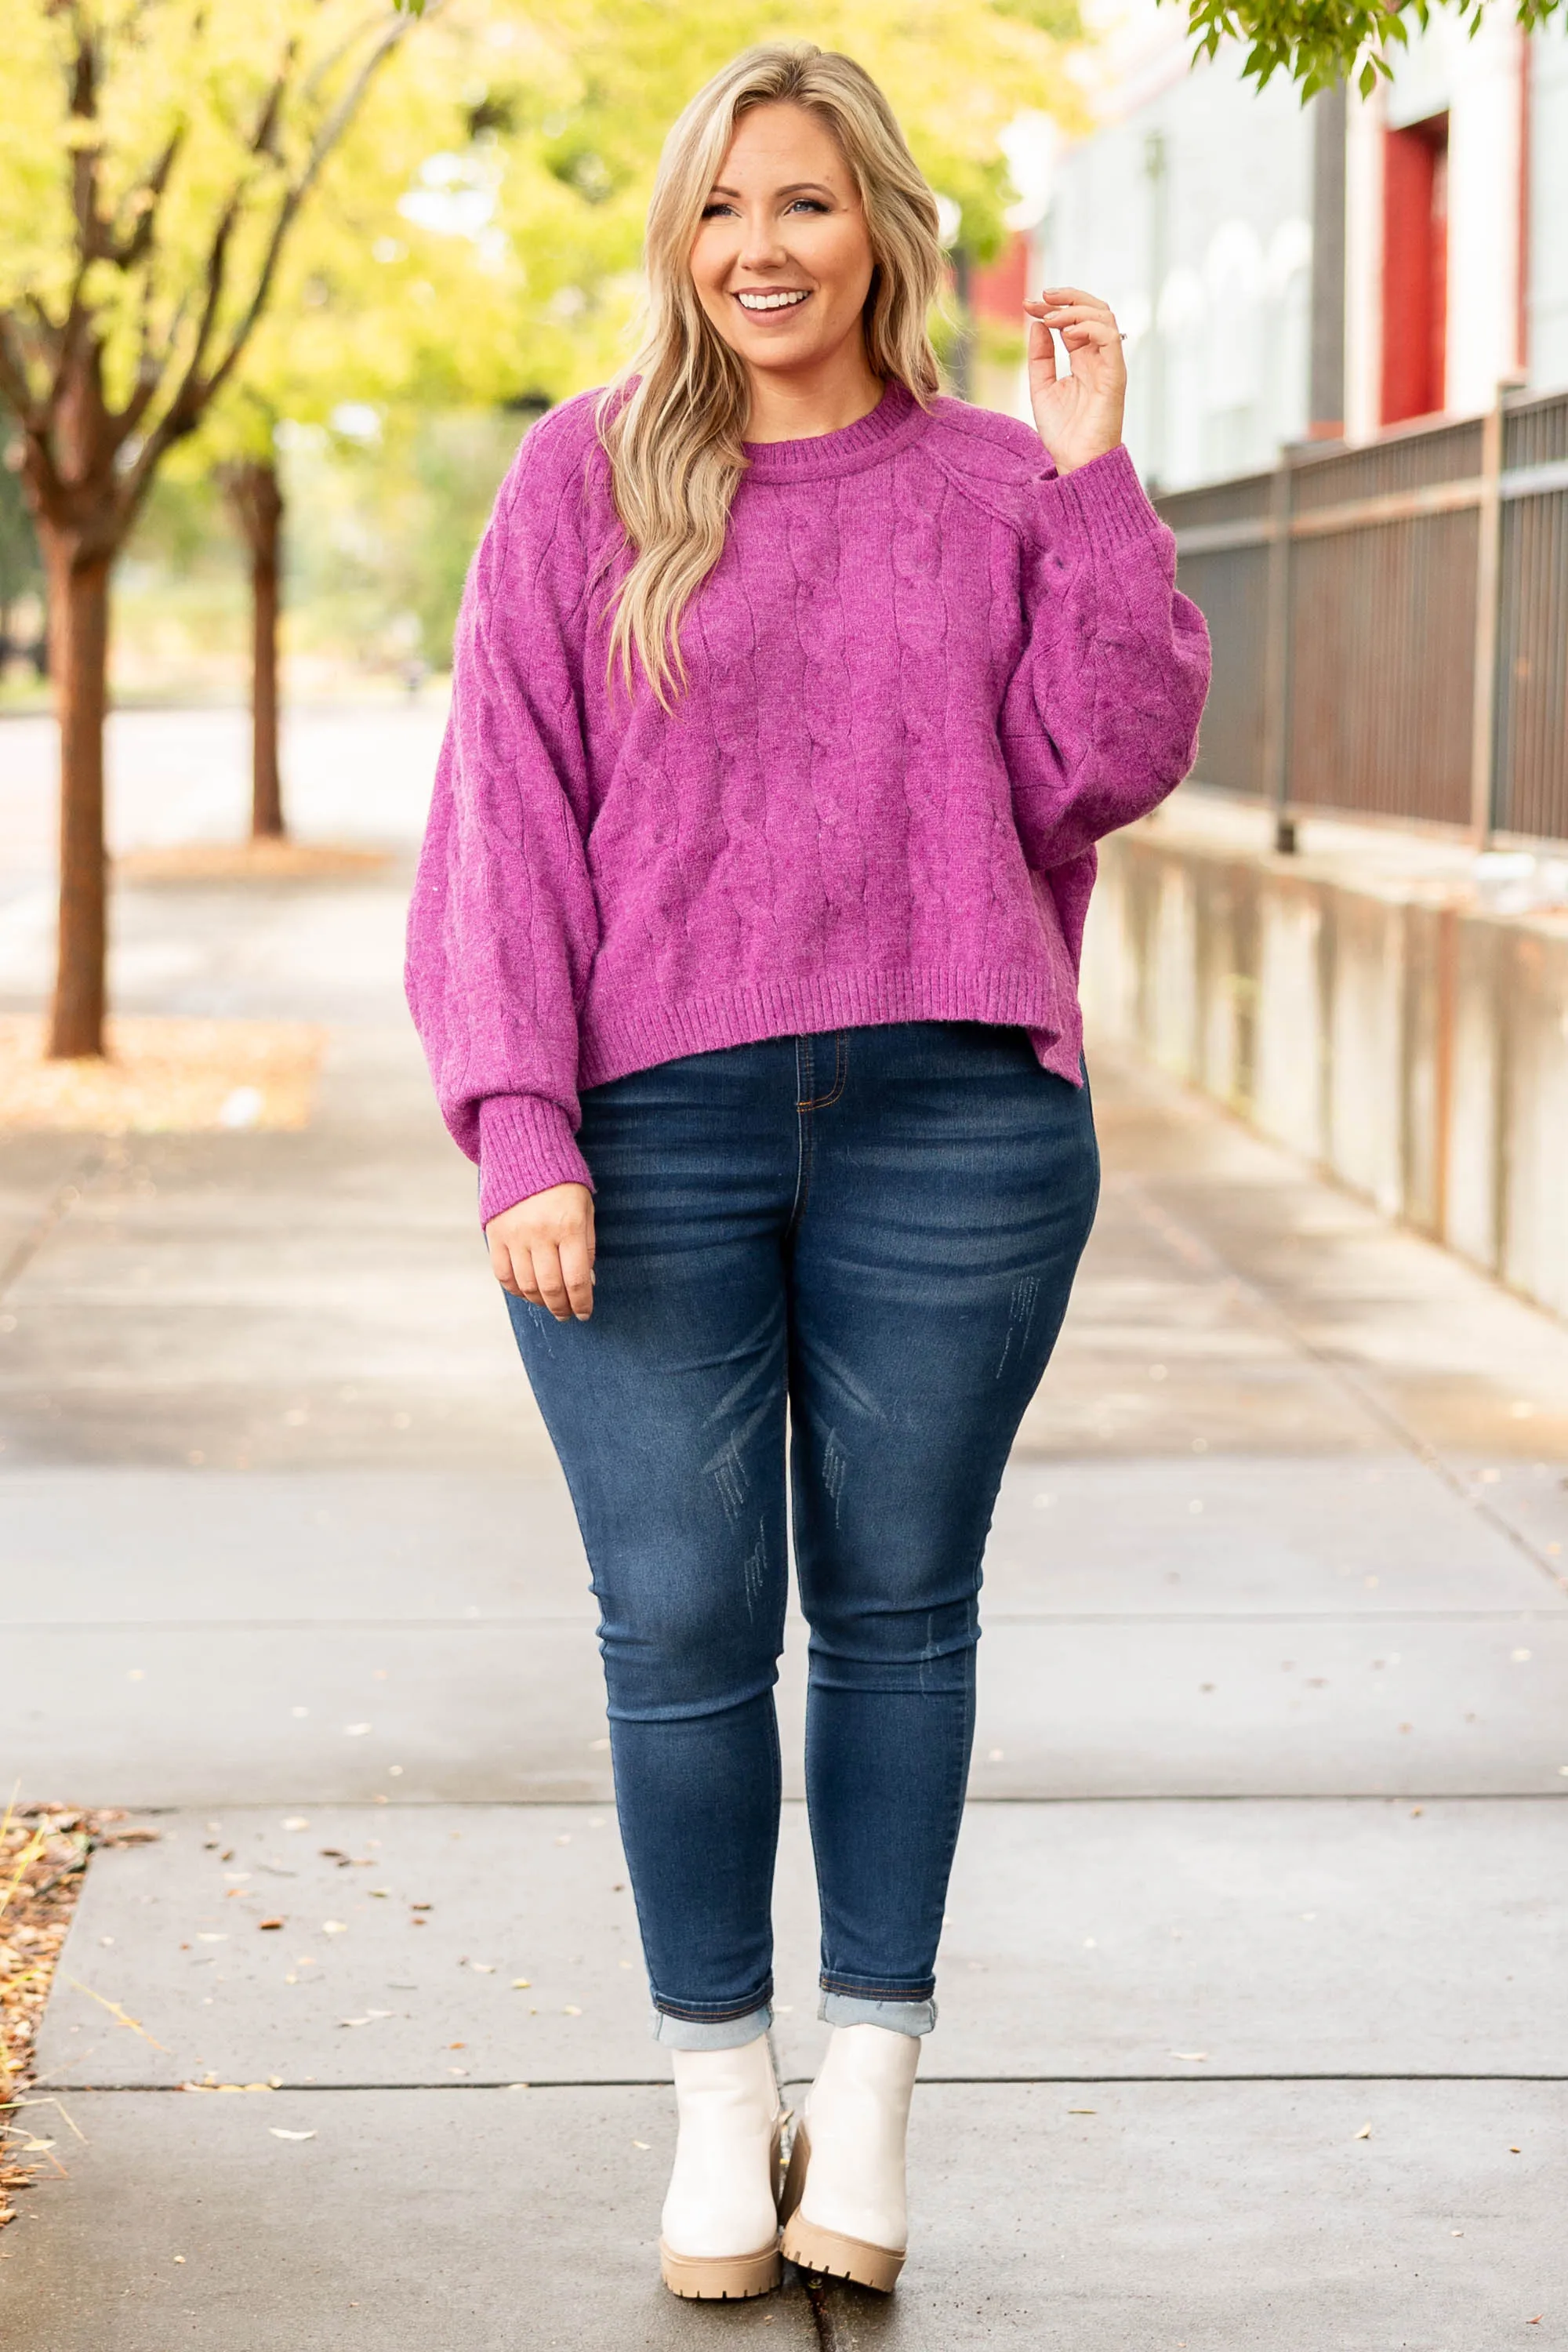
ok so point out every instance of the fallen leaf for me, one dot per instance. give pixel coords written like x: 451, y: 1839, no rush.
x: 1364, y: 2133
x: 334, y: 1927
x: 569, y: 2011
x: 483, y: 1968
x: 278, y: 2133
x: 209, y: 1938
x: 520, y: 1984
x: 643, y: 2143
x: 270, y: 1922
x: 1081, y: 2111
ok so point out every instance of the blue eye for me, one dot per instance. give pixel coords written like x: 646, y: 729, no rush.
x: 811, y: 203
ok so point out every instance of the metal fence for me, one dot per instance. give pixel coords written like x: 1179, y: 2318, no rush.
x: 1390, y: 624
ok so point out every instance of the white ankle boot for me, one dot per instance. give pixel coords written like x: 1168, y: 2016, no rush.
x: 843, y: 2200
x: 720, y: 2224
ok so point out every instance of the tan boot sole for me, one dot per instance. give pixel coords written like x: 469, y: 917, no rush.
x: 828, y: 2252
x: 727, y: 2278
x: 720, y: 2278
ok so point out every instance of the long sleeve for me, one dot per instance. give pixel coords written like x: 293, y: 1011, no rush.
x: 503, y: 925
x: 1101, y: 717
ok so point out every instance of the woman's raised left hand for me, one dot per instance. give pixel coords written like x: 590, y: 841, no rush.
x: 1079, y: 415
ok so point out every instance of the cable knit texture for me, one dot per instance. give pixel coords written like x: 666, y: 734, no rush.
x: 924, y: 678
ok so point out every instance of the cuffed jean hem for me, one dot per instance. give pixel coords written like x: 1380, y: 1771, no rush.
x: 915, y: 2017
x: 711, y: 2032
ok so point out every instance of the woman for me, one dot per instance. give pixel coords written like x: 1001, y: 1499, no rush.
x: 789, y: 702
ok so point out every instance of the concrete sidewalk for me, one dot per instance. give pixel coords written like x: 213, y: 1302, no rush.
x: 1252, y: 2029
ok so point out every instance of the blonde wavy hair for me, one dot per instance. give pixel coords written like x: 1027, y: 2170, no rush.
x: 672, y: 422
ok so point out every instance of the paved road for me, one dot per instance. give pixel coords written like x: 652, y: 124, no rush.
x: 1252, y: 2024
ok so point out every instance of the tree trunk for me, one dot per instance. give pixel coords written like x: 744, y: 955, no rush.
x: 79, y: 660
x: 256, y: 495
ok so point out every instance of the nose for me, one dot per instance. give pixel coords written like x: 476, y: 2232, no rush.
x: 762, y: 246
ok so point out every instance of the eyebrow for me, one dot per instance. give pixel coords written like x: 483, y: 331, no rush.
x: 796, y: 188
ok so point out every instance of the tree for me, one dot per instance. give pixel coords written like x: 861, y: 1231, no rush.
x: 155, y: 157
x: 254, y: 496
x: 353, y: 327
x: 1319, y: 42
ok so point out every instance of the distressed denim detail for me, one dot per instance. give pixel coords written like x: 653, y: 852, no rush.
x: 845, y: 1308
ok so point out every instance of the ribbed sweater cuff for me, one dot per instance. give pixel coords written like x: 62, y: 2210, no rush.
x: 526, y: 1144
x: 1106, y: 501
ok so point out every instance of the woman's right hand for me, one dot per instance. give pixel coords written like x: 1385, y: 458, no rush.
x: 542, y: 1250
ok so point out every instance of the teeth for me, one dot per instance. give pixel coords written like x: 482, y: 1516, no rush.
x: 771, y: 301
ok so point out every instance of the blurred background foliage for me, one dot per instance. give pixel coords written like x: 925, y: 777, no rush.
x: 470, y: 255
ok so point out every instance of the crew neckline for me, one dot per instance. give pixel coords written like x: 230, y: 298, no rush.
x: 896, y: 420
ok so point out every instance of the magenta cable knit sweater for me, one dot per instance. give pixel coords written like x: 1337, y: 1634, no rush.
x: 924, y: 678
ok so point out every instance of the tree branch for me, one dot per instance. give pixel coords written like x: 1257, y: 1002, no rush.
x: 146, y: 200
x: 326, y: 138
x: 197, y: 386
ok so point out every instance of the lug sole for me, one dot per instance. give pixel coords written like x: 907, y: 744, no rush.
x: 730, y: 2278
x: 720, y: 2278
x: 828, y: 2252
x: 830, y: 2255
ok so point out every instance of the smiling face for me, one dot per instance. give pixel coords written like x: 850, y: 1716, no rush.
x: 782, y: 260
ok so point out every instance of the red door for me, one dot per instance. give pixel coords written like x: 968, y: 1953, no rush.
x: 1414, y: 268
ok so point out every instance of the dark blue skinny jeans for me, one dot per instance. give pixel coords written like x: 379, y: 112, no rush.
x: 877, y: 1230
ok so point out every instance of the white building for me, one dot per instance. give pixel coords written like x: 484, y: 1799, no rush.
x: 1285, y: 273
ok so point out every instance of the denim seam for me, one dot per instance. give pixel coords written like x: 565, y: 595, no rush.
x: 803, y: 1132
x: 840, y: 1073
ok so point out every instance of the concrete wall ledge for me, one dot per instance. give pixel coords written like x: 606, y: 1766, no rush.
x: 1359, y: 1004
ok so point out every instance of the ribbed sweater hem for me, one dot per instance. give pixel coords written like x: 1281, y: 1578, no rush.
x: 637, y: 1036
